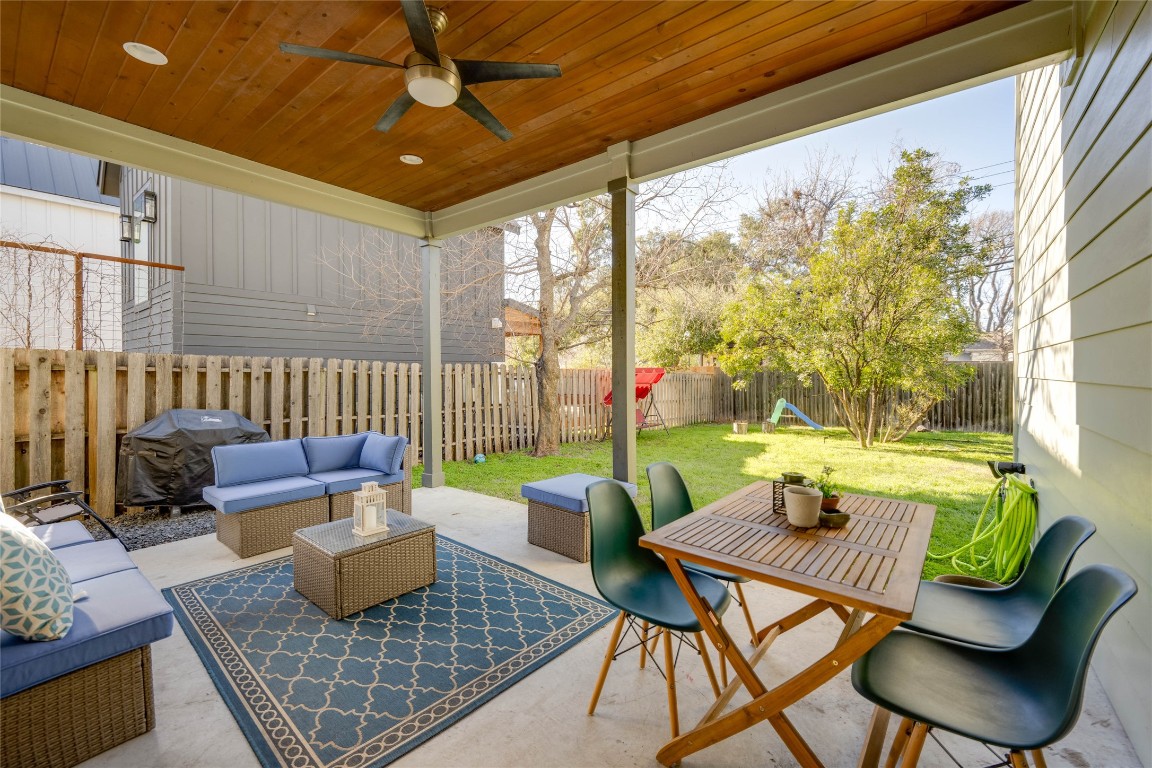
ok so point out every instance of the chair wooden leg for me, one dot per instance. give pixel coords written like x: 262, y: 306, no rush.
x: 644, y: 643
x: 723, y: 669
x: 1038, y: 758
x: 898, y: 742
x: 607, y: 661
x: 915, y: 746
x: 670, y: 677
x: 874, y: 741
x: 747, y: 613
x: 707, y: 663
x: 1019, y: 761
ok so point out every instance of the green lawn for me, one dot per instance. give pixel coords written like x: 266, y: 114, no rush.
x: 942, y: 468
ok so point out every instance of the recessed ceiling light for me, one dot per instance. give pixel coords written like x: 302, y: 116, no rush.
x: 411, y: 159
x: 146, y: 54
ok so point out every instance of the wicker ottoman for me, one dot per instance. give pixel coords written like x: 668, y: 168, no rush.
x: 558, y: 514
x: 344, y: 573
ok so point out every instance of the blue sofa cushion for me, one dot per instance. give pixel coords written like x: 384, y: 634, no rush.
x: 238, y: 498
x: 122, y: 611
x: 566, y: 491
x: 328, y: 453
x: 65, y: 534
x: 384, y: 453
x: 342, y: 480
x: 90, y: 561
x: 253, y: 462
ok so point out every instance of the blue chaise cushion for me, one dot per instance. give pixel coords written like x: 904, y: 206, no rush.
x: 384, y: 453
x: 253, y: 462
x: 566, y: 491
x: 91, y: 561
x: 65, y: 534
x: 122, y: 611
x: 328, y: 453
x: 282, y: 490
x: 343, y: 480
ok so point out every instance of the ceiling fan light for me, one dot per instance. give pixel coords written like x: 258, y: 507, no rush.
x: 431, y: 85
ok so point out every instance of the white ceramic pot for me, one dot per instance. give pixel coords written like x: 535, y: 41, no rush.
x: 802, y: 505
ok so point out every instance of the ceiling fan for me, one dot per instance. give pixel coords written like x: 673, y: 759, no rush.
x: 432, y: 78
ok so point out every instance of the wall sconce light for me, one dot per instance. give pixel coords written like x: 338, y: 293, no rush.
x: 497, y: 322
x: 311, y: 311
x: 127, y: 228
x: 149, y: 207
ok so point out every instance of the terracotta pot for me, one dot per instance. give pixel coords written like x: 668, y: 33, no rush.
x: 829, y: 503
x: 802, y: 506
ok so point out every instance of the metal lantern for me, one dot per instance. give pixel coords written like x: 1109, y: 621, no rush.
x: 370, y: 510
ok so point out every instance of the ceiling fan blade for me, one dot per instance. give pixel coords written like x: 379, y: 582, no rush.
x: 402, y: 104
x: 324, y: 53
x: 420, y: 28
x: 489, y: 71
x: 472, y: 107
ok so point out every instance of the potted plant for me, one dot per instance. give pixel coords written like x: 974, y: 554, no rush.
x: 823, y: 483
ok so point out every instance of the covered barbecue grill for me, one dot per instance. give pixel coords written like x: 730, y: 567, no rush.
x: 647, y: 414
x: 168, y: 460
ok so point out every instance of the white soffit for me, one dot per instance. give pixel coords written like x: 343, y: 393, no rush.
x: 37, y: 119
x: 1010, y: 42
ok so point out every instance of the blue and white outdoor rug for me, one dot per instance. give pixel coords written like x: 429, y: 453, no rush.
x: 311, y: 691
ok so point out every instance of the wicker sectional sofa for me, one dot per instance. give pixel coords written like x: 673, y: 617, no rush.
x: 266, y: 491
x: 64, y: 701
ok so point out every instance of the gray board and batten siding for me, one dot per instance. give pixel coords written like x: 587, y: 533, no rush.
x: 253, y: 269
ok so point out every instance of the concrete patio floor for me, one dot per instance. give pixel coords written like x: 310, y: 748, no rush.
x: 542, y: 720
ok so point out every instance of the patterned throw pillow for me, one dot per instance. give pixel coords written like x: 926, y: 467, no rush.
x: 35, y: 591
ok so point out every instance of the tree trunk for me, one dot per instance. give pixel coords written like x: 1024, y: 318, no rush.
x: 548, y: 364
x: 548, y: 398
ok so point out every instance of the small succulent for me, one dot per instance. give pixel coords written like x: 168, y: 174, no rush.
x: 823, y: 483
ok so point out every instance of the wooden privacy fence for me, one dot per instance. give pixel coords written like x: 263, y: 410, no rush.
x: 984, y: 404
x: 63, y: 412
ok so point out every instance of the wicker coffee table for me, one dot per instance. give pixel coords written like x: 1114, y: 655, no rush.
x: 343, y: 573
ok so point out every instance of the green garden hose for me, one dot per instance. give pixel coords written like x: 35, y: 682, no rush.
x: 999, y: 543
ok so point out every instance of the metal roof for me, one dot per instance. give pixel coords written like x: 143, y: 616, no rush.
x: 51, y: 171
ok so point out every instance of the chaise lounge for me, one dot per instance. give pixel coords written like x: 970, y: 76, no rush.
x: 67, y: 699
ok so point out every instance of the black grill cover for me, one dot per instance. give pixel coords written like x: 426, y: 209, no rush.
x: 169, y: 459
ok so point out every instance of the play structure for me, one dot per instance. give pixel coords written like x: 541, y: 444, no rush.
x: 778, y: 412
x: 647, y: 414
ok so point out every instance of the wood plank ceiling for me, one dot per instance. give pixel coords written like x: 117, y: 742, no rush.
x: 631, y: 69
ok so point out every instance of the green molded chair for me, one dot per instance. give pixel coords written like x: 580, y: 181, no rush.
x: 1002, y: 617
x: 1023, y: 698
x: 670, y: 502
x: 638, y: 582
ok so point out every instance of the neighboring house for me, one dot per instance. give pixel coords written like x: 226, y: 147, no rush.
x: 51, y: 198
x: 520, y: 319
x: 982, y: 351
x: 263, y: 278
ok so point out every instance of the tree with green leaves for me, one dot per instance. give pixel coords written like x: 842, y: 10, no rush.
x: 875, y: 310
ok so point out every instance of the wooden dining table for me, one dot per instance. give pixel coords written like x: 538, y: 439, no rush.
x: 867, y: 573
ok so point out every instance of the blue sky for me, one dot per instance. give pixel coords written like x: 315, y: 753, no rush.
x: 974, y: 127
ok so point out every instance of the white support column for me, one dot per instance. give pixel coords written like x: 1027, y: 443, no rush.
x: 623, y: 193
x: 432, y: 435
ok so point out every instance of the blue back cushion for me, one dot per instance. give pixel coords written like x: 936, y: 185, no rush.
x: 383, y: 453
x: 328, y: 453
x: 253, y: 462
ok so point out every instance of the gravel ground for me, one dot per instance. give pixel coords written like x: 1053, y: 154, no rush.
x: 150, y: 528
